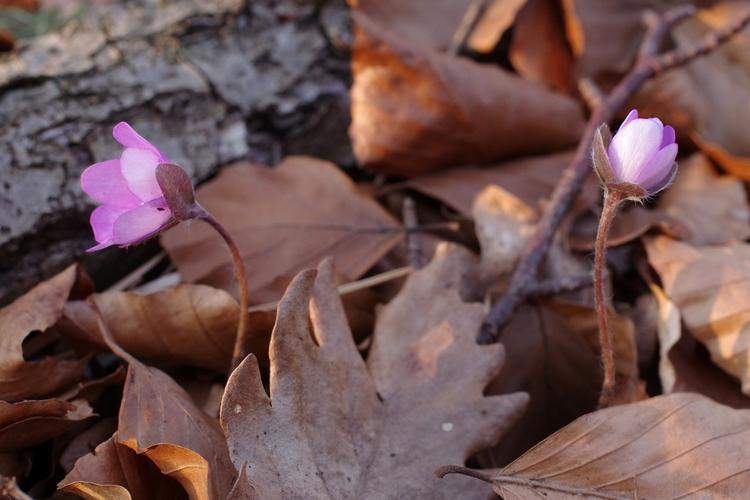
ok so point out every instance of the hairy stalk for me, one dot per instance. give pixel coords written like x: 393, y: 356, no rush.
x: 612, y: 200
x: 243, y: 330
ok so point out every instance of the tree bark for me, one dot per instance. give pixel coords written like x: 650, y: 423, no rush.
x: 208, y: 82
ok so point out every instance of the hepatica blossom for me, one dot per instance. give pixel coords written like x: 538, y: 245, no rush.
x: 133, y: 207
x: 642, y: 153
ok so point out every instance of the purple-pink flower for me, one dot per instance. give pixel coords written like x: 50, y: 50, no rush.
x: 133, y: 207
x: 643, y: 153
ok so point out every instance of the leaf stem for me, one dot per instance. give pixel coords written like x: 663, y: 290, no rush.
x: 612, y: 200
x: 243, y: 330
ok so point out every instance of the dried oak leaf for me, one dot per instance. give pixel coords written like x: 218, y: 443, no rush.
x: 699, y: 198
x: 36, y: 311
x: 115, y: 472
x: 284, y: 219
x: 530, y: 179
x: 710, y: 286
x: 676, y: 446
x: 335, y: 427
x: 188, y: 324
x: 708, y: 99
x: 415, y: 110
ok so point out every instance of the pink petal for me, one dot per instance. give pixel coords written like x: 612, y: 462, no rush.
x: 102, y: 222
x: 128, y: 137
x: 104, y: 183
x: 658, y: 168
x: 138, y: 224
x: 632, y: 147
x: 668, y: 136
x: 139, y: 170
x: 631, y: 116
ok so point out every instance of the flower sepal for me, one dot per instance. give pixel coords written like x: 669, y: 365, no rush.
x: 178, y: 191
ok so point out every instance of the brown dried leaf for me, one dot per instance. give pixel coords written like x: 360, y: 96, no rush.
x: 158, y: 419
x: 85, y: 442
x: 409, y: 18
x: 28, y: 423
x: 115, y: 472
x: 699, y: 198
x: 189, y: 324
x: 710, y: 285
x: 497, y: 17
x: 335, y: 427
x: 650, y: 449
x: 530, y: 179
x: 415, y: 110
x: 37, y: 310
x: 503, y: 226
x: 539, y: 50
x: 284, y: 220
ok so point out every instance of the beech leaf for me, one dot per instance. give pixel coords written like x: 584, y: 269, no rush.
x: 676, y: 446
x: 336, y: 427
x: 284, y: 220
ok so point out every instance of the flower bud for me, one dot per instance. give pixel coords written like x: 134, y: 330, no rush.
x: 640, y: 159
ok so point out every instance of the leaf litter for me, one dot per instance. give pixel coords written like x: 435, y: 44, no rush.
x: 124, y: 394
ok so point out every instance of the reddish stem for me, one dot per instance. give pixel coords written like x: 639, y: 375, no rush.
x: 243, y: 330
x: 612, y: 200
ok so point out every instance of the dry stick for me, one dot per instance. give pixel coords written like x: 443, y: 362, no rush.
x: 413, y: 246
x: 612, y: 200
x: 648, y: 64
x: 243, y: 330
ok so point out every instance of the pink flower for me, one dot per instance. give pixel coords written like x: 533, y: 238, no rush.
x: 133, y: 207
x: 643, y: 153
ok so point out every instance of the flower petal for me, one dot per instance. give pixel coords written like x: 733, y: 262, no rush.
x: 668, y: 136
x: 128, y: 137
x: 138, y: 224
x: 633, y: 147
x: 102, y: 222
x: 104, y: 183
x: 138, y: 167
x: 658, y: 168
x: 631, y: 116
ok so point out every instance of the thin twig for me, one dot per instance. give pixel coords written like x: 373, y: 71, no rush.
x: 648, y: 64
x: 473, y: 14
x: 352, y: 286
x: 413, y: 243
x: 591, y: 93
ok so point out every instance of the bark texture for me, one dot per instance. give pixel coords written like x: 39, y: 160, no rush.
x: 208, y: 82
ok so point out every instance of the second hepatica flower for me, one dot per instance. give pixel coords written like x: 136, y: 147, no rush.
x: 133, y: 207
x: 643, y: 153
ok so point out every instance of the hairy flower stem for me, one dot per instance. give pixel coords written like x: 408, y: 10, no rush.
x: 612, y: 200
x: 243, y: 330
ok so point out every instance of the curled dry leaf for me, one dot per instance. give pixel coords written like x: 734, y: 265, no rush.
x: 710, y: 285
x: 189, y: 324
x: 539, y: 50
x: 28, y: 423
x: 676, y: 446
x: 415, y: 110
x: 713, y: 111
x: 115, y: 472
x: 36, y: 311
x: 699, y: 198
x: 159, y: 420
x: 284, y: 219
x: 497, y: 17
x: 336, y: 427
